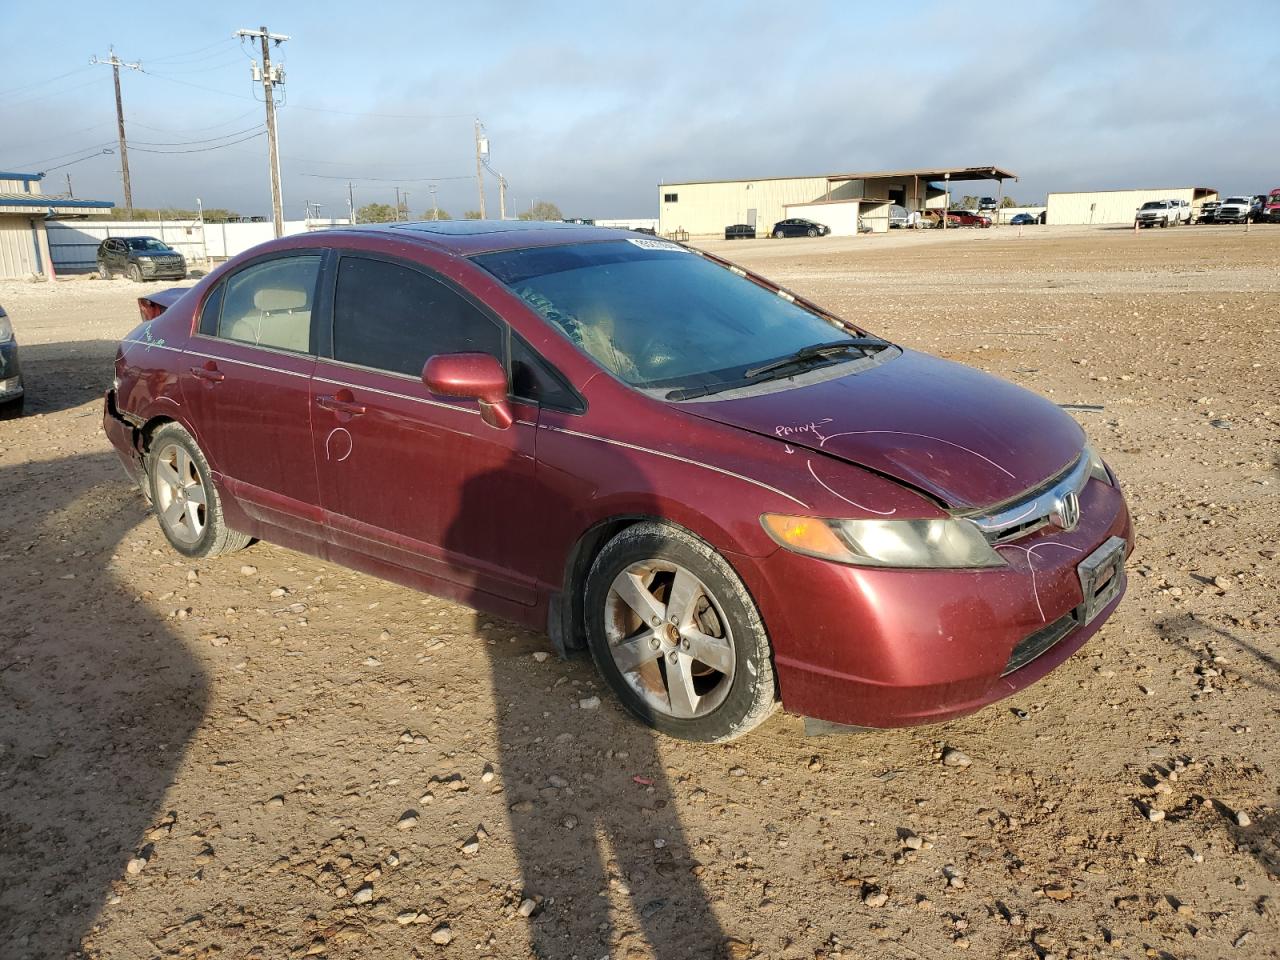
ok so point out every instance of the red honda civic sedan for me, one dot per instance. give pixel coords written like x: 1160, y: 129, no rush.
x: 731, y: 497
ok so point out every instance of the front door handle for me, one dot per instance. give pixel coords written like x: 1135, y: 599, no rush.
x: 342, y: 402
x: 209, y: 372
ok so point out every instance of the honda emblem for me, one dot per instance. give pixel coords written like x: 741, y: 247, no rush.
x: 1066, y: 512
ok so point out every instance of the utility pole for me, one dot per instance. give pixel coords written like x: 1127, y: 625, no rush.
x: 502, y: 197
x: 482, y: 147
x: 435, y: 209
x: 270, y: 77
x: 407, y: 214
x: 116, y: 63
x: 397, y: 204
x: 351, y: 203
x: 70, y: 193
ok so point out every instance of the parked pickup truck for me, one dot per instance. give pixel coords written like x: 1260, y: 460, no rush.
x: 1208, y: 212
x: 1165, y: 213
x: 1234, y: 209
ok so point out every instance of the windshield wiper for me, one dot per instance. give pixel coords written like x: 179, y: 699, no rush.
x: 802, y: 357
x: 816, y: 351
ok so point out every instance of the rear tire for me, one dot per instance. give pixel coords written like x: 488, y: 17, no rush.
x: 700, y: 604
x: 186, y: 502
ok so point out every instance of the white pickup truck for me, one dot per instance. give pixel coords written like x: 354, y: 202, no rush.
x: 1166, y: 213
x: 1234, y: 210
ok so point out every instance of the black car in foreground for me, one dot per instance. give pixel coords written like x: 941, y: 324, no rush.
x: 11, y: 389
x: 140, y: 258
x: 797, y: 227
x: 740, y: 231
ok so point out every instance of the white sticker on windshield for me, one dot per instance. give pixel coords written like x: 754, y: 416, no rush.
x: 660, y: 245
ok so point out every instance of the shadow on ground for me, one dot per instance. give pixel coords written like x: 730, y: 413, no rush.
x: 99, y: 700
x: 59, y: 376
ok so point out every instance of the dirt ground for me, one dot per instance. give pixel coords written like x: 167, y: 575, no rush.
x: 269, y: 756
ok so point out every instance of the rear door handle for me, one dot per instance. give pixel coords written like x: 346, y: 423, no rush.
x: 209, y: 372
x: 344, y: 402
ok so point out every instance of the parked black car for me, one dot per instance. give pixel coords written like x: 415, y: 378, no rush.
x: 797, y: 227
x: 140, y: 258
x: 740, y: 231
x: 12, y: 392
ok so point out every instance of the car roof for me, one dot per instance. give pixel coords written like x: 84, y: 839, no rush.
x: 467, y: 238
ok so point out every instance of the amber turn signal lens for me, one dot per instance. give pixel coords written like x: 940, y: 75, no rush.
x: 805, y: 535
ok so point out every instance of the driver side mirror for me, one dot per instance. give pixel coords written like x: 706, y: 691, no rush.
x: 471, y: 376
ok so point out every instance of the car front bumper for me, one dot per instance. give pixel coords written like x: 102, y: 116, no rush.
x: 11, y: 387
x: 875, y: 647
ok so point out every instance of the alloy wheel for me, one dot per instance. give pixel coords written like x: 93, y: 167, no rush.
x: 180, y: 494
x: 669, y: 638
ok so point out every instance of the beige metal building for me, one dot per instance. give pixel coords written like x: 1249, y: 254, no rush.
x: 703, y: 208
x: 24, y: 245
x: 1118, y: 206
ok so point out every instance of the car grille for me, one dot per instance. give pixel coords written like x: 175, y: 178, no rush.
x: 1040, y: 642
x: 1034, y: 509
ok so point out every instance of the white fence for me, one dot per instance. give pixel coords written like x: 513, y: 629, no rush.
x: 73, y: 244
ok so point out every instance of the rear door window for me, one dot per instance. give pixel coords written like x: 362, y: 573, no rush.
x: 270, y: 304
x: 392, y: 317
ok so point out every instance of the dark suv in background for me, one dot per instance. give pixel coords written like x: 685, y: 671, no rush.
x: 140, y: 258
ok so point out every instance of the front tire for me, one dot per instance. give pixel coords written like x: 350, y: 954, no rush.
x: 186, y: 502
x: 812, y: 232
x: 677, y: 637
x: 778, y: 234
x: 135, y: 274
x: 103, y: 272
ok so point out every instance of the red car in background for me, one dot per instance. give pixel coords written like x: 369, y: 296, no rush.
x: 963, y: 218
x: 730, y: 496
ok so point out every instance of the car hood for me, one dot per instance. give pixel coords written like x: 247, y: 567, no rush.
x: 962, y: 436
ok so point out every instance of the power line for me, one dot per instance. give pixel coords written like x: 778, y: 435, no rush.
x: 189, y: 143
x: 384, y: 116
x: 182, y: 130
x: 205, y: 149
x: 54, y: 93
x: 32, y: 164
x: 191, y: 53
x: 326, y: 176
x: 41, y: 83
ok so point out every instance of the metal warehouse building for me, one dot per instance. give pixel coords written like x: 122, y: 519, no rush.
x: 703, y: 208
x: 24, y: 245
x: 1118, y: 206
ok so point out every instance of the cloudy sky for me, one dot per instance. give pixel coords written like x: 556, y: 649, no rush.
x: 592, y: 104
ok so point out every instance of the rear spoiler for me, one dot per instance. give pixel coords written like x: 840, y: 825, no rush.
x: 154, y: 304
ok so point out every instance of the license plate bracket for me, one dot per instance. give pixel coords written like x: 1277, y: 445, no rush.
x: 1101, y: 578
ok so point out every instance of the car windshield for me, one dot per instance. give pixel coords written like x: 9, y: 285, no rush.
x: 658, y: 315
x: 1244, y: 200
x: 1154, y: 205
x: 149, y: 244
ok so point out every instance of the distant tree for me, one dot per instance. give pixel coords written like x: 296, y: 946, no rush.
x: 376, y: 213
x: 435, y: 213
x: 211, y: 215
x: 967, y: 202
x: 543, y: 210
x: 471, y: 215
x: 1008, y: 202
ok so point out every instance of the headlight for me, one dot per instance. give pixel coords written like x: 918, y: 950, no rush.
x: 944, y: 543
x: 1098, y: 469
x: 6, y: 328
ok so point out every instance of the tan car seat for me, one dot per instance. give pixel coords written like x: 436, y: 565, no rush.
x: 281, y: 318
